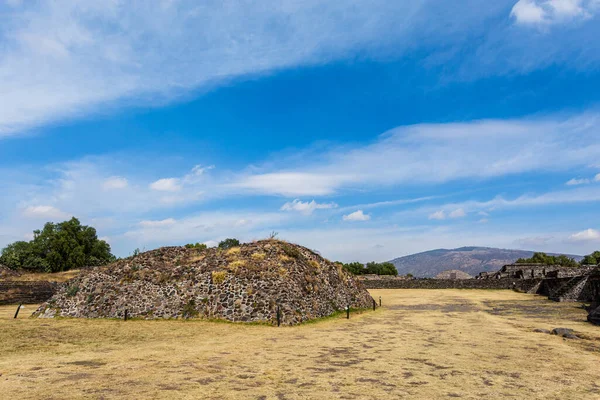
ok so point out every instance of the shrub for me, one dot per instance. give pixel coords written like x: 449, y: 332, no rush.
x: 229, y: 243
x: 189, y: 310
x: 233, y: 251
x: 291, y: 251
x: 72, y: 290
x: 285, y: 259
x: 234, y: 265
x: 197, y: 246
x: 218, y: 277
x: 314, y: 264
x: 259, y: 256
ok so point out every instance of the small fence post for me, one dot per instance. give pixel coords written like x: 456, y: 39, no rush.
x: 374, y: 304
x: 17, y: 312
x: 379, y: 301
x: 348, y: 312
x: 278, y: 316
x: 126, y: 311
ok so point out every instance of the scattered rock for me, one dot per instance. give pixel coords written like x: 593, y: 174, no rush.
x: 542, y: 331
x: 594, y: 316
x: 562, y: 331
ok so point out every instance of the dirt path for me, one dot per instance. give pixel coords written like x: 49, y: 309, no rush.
x: 422, y: 344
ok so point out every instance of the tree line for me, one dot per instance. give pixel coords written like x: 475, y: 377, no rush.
x: 543, y: 258
x: 357, y: 268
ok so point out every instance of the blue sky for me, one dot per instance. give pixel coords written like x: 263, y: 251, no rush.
x: 364, y: 130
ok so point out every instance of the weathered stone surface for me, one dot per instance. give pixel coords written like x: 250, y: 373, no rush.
x: 242, y: 284
x: 453, y: 274
x: 542, y: 331
x: 594, y: 316
x: 562, y: 331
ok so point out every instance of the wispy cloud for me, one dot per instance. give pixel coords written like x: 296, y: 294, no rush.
x: 437, y: 153
x: 97, y: 54
x: 306, y: 207
x: 44, y: 212
x: 538, y: 12
x: 576, y: 181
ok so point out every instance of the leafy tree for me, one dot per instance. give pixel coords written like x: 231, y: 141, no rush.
x: 591, y: 259
x: 355, y: 268
x: 229, y: 243
x: 385, y: 268
x: 58, y: 247
x: 543, y: 258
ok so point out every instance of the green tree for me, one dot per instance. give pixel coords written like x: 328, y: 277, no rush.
x: 229, y: 243
x: 58, y: 247
x: 386, y: 268
x: 355, y: 268
x: 591, y: 259
x: 543, y: 258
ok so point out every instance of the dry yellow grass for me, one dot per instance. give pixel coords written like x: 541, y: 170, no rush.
x: 52, y: 277
x: 233, y: 251
x: 258, y: 256
x: 421, y: 344
x: 218, y: 276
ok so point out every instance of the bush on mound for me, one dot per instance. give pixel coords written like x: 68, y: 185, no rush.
x: 245, y: 283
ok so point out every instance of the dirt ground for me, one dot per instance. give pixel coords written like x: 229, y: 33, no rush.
x: 423, y: 344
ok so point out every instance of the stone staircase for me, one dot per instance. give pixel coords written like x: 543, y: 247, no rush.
x: 569, y: 290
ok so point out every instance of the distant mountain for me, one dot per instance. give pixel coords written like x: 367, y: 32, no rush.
x: 471, y: 260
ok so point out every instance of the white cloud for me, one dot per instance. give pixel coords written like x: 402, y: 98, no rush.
x: 436, y: 153
x: 166, y: 185
x: 575, y: 182
x: 105, y: 54
x: 552, y: 11
x: 439, y: 215
x: 588, y: 235
x: 483, y: 214
x: 157, y: 224
x: 484, y: 221
x: 357, y: 216
x: 306, y: 208
x: 44, y: 211
x: 597, y: 178
x: 292, y: 183
x: 458, y: 213
x: 115, y: 182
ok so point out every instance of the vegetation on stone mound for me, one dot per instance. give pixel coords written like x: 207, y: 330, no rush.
x: 58, y: 247
x: 229, y: 243
x: 543, y: 258
x: 357, y: 268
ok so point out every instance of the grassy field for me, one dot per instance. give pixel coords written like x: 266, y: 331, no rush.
x: 41, y: 276
x: 423, y: 344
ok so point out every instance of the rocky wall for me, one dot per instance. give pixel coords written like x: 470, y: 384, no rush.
x: 26, y: 292
x: 520, y: 284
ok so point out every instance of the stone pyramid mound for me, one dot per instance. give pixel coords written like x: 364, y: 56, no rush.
x: 246, y: 283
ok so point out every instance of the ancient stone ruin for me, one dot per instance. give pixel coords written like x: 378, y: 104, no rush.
x: 453, y: 274
x: 248, y: 283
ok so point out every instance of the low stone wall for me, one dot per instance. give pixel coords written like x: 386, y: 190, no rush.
x: 520, y: 284
x: 26, y: 292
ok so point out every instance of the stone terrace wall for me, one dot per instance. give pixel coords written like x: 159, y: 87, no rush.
x: 521, y: 284
x: 26, y: 292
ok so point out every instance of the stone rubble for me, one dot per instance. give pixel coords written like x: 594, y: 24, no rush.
x: 244, y: 284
